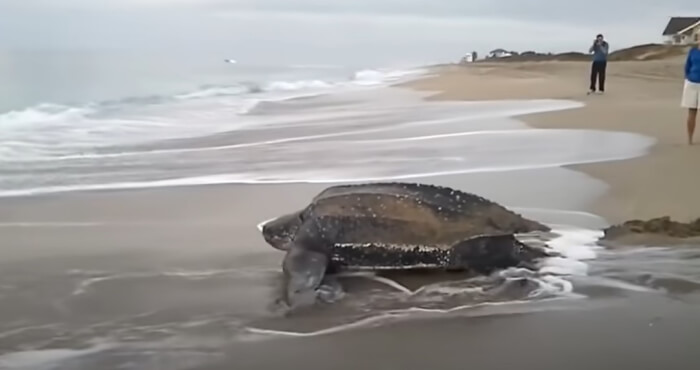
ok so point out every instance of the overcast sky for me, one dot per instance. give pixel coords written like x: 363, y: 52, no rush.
x: 402, y: 29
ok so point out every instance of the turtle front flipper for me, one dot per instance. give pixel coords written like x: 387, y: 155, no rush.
x: 485, y: 254
x: 304, y: 271
x: 306, y: 267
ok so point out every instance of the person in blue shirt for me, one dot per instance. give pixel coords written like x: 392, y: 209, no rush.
x: 691, y: 89
x: 600, y: 50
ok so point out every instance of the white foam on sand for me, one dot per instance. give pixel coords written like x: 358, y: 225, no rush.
x: 356, y: 173
x: 48, y: 358
x: 377, y: 135
x: 97, y: 277
x: 472, y: 310
x: 468, y: 112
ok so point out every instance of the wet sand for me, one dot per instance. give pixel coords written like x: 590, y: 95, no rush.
x: 644, y: 333
x: 202, y: 230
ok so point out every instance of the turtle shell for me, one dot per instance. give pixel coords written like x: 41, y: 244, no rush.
x: 409, y: 216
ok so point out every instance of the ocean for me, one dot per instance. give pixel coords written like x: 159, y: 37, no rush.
x: 107, y: 123
x: 73, y: 114
x: 154, y: 127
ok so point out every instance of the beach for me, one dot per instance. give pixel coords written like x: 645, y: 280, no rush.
x: 641, y: 97
x: 120, y: 265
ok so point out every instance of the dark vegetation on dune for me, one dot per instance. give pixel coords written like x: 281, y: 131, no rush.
x: 635, y: 53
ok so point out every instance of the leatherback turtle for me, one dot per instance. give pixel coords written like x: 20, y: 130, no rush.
x: 378, y: 226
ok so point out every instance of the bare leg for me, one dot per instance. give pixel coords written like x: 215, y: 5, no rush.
x: 692, y: 117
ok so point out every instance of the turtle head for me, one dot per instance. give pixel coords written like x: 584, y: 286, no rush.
x: 281, y: 231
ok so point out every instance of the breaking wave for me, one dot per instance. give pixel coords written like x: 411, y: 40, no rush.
x: 44, y: 129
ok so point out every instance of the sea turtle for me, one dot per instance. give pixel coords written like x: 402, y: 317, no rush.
x: 379, y: 226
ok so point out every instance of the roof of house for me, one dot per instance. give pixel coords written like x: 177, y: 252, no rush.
x: 677, y: 24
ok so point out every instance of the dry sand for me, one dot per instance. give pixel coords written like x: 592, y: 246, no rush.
x: 641, y: 97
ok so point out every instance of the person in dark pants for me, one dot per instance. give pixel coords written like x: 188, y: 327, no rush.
x: 600, y: 50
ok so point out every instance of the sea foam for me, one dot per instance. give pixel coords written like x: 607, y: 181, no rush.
x: 553, y: 279
x: 48, y: 130
x: 344, y: 130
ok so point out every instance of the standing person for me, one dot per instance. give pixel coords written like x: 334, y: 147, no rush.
x: 691, y: 89
x: 600, y: 50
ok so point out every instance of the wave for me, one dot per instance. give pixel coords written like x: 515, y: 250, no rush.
x: 316, y: 175
x: 372, y: 76
x: 268, y: 105
x: 48, y: 129
x: 366, y: 77
x: 23, y: 120
x: 214, y: 91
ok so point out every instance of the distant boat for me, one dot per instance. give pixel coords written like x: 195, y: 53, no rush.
x: 232, y: 61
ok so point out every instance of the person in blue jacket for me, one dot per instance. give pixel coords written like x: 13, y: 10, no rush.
x: 691, y: 89
x: 600, y: 49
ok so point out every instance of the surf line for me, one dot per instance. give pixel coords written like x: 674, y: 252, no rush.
x: 408, y: 313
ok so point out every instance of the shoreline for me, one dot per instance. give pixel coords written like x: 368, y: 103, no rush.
x: 167, y: 274
x: 635, y: 90
x: 642, y: 97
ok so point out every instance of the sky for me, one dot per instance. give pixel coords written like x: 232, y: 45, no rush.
x: 319, y: 30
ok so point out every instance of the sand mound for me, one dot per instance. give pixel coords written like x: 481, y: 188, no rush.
x: 656, y: 230
x: 648, y: 52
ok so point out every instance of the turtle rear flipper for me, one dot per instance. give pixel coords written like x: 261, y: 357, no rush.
x: 485, y: 254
